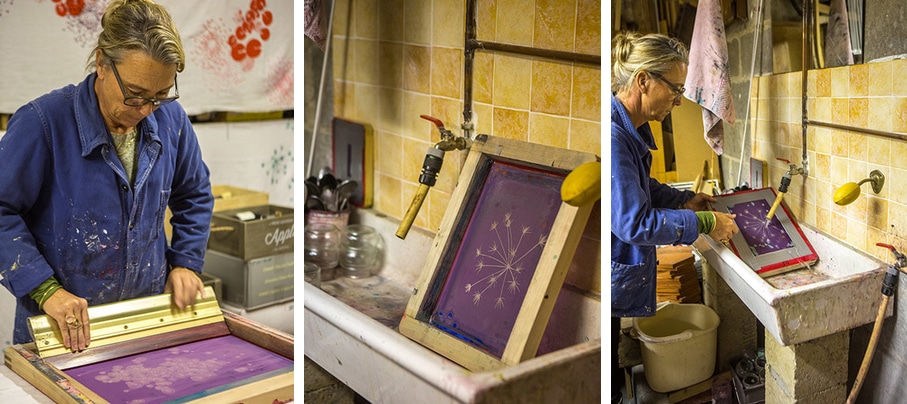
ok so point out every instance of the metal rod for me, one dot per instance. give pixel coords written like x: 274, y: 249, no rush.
x: 804, y: 77
x: 324, y: 69
x: 530, y: 51
x: 468, y: 56
x: 882, y: 133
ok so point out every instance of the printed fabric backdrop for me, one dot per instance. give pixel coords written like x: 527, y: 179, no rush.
x: 239, y: 53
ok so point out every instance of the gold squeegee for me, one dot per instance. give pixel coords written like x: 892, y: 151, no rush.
x: 128, y: 320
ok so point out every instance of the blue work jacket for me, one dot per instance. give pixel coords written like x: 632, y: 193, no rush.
x: 67, y: 208
x: 644, y: 214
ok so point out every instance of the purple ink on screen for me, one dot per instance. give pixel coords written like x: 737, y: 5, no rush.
x: 761, y: 237
x: 498, y: 255
x: 173, y: 373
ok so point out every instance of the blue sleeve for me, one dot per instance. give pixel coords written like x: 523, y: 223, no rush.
x: 664, y: 196
x: 25, y: 157
x: 635, y: 217
x: 191, y: 201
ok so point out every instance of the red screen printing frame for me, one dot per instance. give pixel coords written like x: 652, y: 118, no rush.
x: 771, y: 249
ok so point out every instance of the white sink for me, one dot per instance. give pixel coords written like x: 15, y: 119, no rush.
x: 351, y: 331
x: 842, y: 290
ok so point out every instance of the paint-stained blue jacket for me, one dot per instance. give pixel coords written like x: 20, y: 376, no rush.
x: 68, y: 210
x: 644, y: 214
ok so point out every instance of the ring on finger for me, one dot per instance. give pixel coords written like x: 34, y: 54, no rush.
x: 71, y: 319
x: 76, y: 324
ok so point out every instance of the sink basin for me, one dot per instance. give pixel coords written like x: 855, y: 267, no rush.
x: 351, y: 331
x: 842, y: 290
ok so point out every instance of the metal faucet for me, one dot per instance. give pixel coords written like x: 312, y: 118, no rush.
x: 431, y: 166
x: 782, y: 188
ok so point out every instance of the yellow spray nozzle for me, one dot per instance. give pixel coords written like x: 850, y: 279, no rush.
x: 771, y: 212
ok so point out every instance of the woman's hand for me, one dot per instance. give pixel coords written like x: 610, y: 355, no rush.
x: 71, y: 313
x: 725, y: 227
x: 184, y: 284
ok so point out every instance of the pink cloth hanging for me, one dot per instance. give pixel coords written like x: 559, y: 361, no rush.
x: 708, y: 83
x: 315, y: 24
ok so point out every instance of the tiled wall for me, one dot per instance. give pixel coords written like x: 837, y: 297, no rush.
x: 397, y: 59
x: 869, y: 96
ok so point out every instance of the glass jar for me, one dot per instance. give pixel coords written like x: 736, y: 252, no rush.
x: 322, y: 245
x: 359, y: 251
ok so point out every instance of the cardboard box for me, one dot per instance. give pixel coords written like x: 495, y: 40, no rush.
x: 271, y: 233
x: 252, y: 283
x: 226, y: 198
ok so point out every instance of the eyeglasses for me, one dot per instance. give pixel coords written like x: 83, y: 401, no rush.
x: 137, y: 101
x: 678, y: 92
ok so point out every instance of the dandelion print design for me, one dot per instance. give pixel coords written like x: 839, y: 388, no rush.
x: 503, y: 261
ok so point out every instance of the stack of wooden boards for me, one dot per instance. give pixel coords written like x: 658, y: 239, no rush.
x: 677, y: 280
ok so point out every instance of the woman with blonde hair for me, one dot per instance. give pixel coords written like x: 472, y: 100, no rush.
x: 647, y: 76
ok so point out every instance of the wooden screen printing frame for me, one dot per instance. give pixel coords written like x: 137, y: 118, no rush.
x: 44, y: 368
x: 799, y: 253
x: 547, y: 276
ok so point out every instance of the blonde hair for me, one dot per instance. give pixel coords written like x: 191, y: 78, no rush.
x: 131, y: 25
x: 632, y: 52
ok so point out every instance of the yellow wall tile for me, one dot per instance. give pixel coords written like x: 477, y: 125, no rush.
x: 823, y: 82
x: 549, y: 130
x: 484, y: 118
x: 344, y: 98
x: 840, y: 143
x: 586, y: 136
x: 512, y: 81
x: 551, y: 87
x: 822, y: 167
x: 486, y: 20
x: 513, y: 17
x: 389, y: 197
x: 450, y: 171
x: 390, y: 20
x: 511, y: 124
x: 448, y: 20
x: 840, y: 112
x: 859, y: 80
x: 879, y: 113
x: 365, y: 18
x: 390, y: 110
x: 898, y: 189
x: 587, y: 93
x: 880, y: 83
x: 898, y: 150
x: 898, y: 84
x: 417, y: 68
x: 390, y: 64
x: 446, y: 71
x: 839, y: 174
x: 482, y: 77
x: 365, y: 61
x: 366, y: 104
x: 341, y: 23
x: 899, y: 114
x: 414, y: 105
x: 859, y: 112
x: 858, y: 146
x: 389, y: 154
x: 417, y: 21
x: 878, y: 212
x: 554, y: 24
x: 879, y: 150
x: 589, y: 27
x: 840, y: 81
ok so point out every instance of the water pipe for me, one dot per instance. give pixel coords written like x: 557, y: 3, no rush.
x: 431, y: 166
x: 889, y: 285
x: 782, y: 188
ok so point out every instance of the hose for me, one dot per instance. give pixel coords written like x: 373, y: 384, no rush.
x: 870, y: 350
